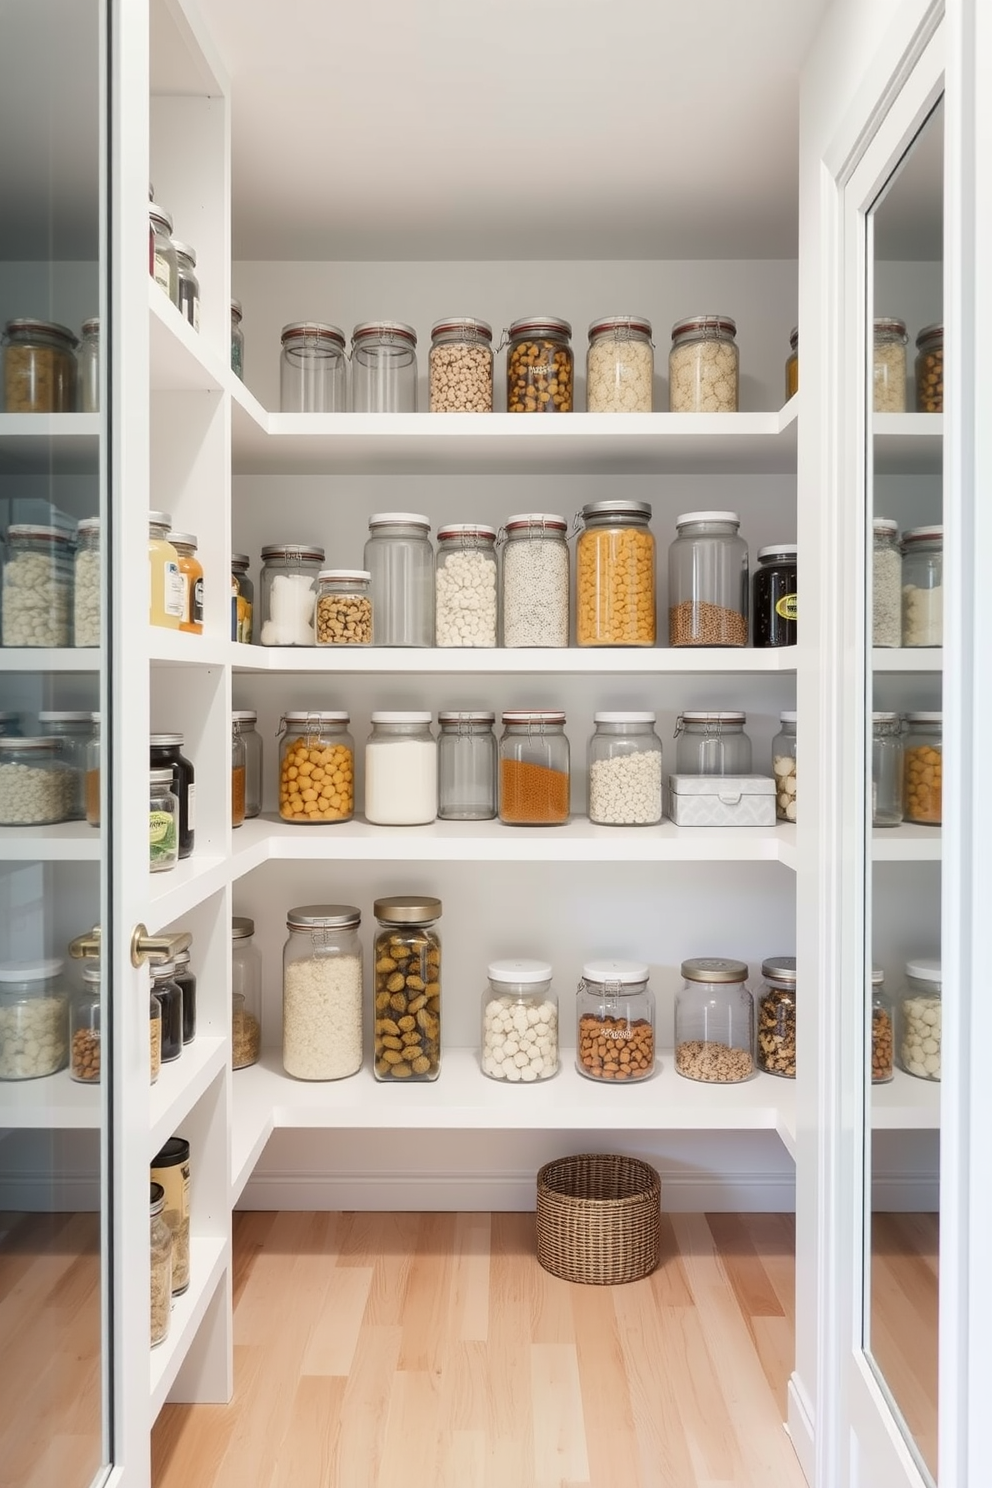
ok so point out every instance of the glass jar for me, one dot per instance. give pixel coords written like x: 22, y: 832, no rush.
x: 923, y: 586
x: 92, y: 785
x: 155, y: 1037
x: 316, y: 768
x: 85, y: 1027
x: 465, y: 586
x: 160, y: 1267
x: 776, y: 1042
x: 882, y: 1036
x: 10, y: 724
x: 929, y: 369
x: 920, y: 1017
x: 615, y: 1013
x: 620, y: 365
x: 889, y: 369
x: 792, y: 366
x: 186, y: 982
x: 784, y: 768
x: 519, y: 1022
x: 171, y: 1169
x: 37, y: 586
x: 187, y: 284
x: 707, y: 581
x: 88, y: 367
x: 163, y: 822
x: 923, y: 767
x: 39, y: 367
x: 400, y: 558
x: 34, y: 1019
x: 886, y: 770
x: 191, y: 578
x: 401, y: 770
x: 540, y: 367
x: 166, y: 989
x: 322, y: 993
x: 36, y: 789
x: 167, y: 750
x: 407, y: 989
x: 712, y: 744
x: 703, y: 365
x: 242, y: 599
x: 886, y: 583
x: 714, y: 1022
x: 165, y: 263
x: 343, y: 613
x: 614, y: 575
x: 466, y: 766
x: 461, y: 366
x: 535, y: 580
x: 775, y: 606
x: 313, y: 369
x: 534, y: 783
x: 237, y: 340
x: 246, y: 719
x: 246, y: 994
x: 86, y: 584
x: 74, y: 732
x: 625, y: 770
x: 384, y: 367
x: 165, y: 579
x: 238, y: 773
x: 289, y: 590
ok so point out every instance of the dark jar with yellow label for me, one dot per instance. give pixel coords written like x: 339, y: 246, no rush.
x: 774, y: 601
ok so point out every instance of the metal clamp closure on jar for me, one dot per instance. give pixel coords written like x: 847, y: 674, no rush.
x: 319, y: 921
x: 711, y: 723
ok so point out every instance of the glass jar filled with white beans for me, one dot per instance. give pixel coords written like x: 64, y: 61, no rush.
x: 889, y: 366
x: 401, y: 770
x: 36, y: 788
x: 400, y: 559
x: 519, y: 1022
x: 322, y: 993
x: 535, y: 580
x: 86, y: 584
x: 37, y: 586
x: 384, y: 367
x: 313, y: 369
x: 784, y: 767
x: 74, y: 732
x: 461, y: 366
x: 34, y: 1019
x: 625, y: 770
x: 465, y: 586
x: 703, y: 365
x: 289, y: 588
x: 620, y: 365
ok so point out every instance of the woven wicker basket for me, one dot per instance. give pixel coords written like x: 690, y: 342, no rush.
x: 598, y: 1218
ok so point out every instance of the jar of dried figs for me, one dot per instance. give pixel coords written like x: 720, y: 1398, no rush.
x: 708, y: 581
x: 930, y: 369
x: 777, y: 1017
x: 615, y: 1012
x: 540, y: 367
x: 714, y: 1022
x: 882, y: 1035
x: 703, y: 367
x: 407, y: 989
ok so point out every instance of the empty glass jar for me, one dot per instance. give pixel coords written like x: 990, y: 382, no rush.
x: 246, y: 994
x: 889, y: 371
x: 703, y: 365
x: 625, y: 770
x: 620, y: 365
x: 615, y: 1013
x: 776, y: 1043
x: 466, y: 761
x: 886, y: 770
x: 533, y: 769
x: 461, y: 366
x: 400, y: 558
x: 920, y: 1019
x: 322, y: 993
x: 714, y: 1021
x: 288, y: 592
x: 384, y: 367
x: 540, y: 367
x: 614, y: 575
x: 923, y: 586
x: 519, y: 1022
x: 407, y: 989
x: 312, y: 368
x: 708, y: 581
x: 712, y: 744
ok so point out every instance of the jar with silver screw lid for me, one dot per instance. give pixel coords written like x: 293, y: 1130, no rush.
x: 461, y: 366
x: 88, y: 367
x: 312, y: 368
x: 384, y: 367
x: 187, y: 284
x: 322, y: 993
x: 39, y: 367
x: 776, y: 1043
x: 714, y: 1021
x: 620, y: 365
x: 165, y: 264
x: 703, y: 365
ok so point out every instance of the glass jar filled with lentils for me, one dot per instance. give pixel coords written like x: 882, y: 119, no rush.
x: 407, y: 989
x: 540, y: 367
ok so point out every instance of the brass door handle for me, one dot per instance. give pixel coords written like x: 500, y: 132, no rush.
x: 85, y: 946
x: 145, y: 947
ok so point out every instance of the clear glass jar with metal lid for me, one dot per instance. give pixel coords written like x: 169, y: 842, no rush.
x: 923, y: 768
x: 615, y: 1015
x: 237, y: 340
x: 316, y: 767
x: 407, y: 989
x: 343, y: 611
x: 34, y: 1019
x: 400, y: 558
x: 708, y: 581
x: 923, y: 586
x: 465, y: 608
x: 784, y: 768
x: 288, y: 591
x: 187, y: 284
x: 519, y: 1022
x: 313, y: 368
x: 466, y: 766
x: 191, y: 576
x: 163, y: 822
x: 166, y: 751
x: 10, y: 724
x: 160, y: 1266
x: 165, y: 604
x: 74, y: 731
x: 625, y: 770
x: 775, y: 607
x: 185, y: 980
x: 929, y: 369
x: 776, y: 1043
x: 37, y: 586
x: 242, y: 599
x: 88, y: 367
x: 614, y: 575
x: 889, y: 365
x: 86, y: 586
x: 165, y: 263
x: 322, y: 993
x: 703, y: 365
x: 920, y: 1018
x: 712, y: 743
x: 886, y: 583
x: 246, y: 994
x: 39, y: 367
x: 36, y: 788
x: 620, y: 365
x: 540, y: 367
x: 384, y: 367
x: 86, y: 1027
x: 886, y: 770
x: 882, y: 1031
x: 247, y: 719
x: 792, y: 366
x: 534, y: 589
x: 714, y: 1021
x: 170, y: 997
x: 401, y: 770
x: 461, y: 366
x: 92, y: 786
x: 534, y: 780
x: 238, y: 774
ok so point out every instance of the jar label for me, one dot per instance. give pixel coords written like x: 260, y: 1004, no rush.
x: 174, y: 590
x: 159, y: 827
x: 787, y: 607
x: 162, y: 273
x: 190, y: 806
x: 196, y: 602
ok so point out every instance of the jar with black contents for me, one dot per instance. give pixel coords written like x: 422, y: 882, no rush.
x: 170, y: 999
x: 777, y: 1017
x: 186, y: 982
x: 540, y: 367
x: 407, y: 989
x: 774, y: 607
x: 166, y: 753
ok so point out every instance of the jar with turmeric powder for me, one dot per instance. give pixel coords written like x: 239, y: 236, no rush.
x: 533, y: 769
x: 614, y: 575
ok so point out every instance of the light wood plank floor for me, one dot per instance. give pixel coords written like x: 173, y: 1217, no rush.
x: 431, y: 1351
x: 904, y: 1300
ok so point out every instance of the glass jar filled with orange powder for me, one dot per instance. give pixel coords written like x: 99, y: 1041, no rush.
x: 533, y: 769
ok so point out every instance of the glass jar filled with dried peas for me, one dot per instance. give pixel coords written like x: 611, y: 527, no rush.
x: 614, y: 575
x: 407, y: 989
x: 316, y: 768
x: 540, y: 367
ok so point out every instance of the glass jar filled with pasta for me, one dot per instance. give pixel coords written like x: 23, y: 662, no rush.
x: 614, y: 575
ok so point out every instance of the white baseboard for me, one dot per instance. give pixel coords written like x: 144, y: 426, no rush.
x: 50, y: 1192
x: 800, y: 1426
x: 906, y: 1193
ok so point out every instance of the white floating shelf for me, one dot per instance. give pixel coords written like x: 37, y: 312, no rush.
x: 52, y: 1103
x: 43, y: 660
x: 181, y: 361
x: 906, y: 1104
x: 178, y: 890
x: 907, y: 659
x: 67, y: 842
x: 181, y: 648
x: 905, y: 844
x: 180, y: 1085
x: 412, y: 661
x: 49, y: 443
x: 208, y: 1257
x: 908, y: 443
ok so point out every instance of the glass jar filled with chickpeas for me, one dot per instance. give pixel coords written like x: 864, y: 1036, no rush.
x: 923, y: 768
x: 461, y: 366
x: 614, y: 564
x: 540, y: 367
x: 929, y: 369
x: 316, y: 768
x: 882, y: 1031
x: 407, y: 989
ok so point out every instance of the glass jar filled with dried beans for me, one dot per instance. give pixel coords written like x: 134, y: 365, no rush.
x: 407, y: 989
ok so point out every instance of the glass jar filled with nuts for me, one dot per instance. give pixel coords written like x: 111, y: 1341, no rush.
x: 615, y: 1012
x: 343, y: 610
x: 461, y: 366
x: 929, y: 369
x: 714, y: 1022
x: 882, y: 1031
x: 540, y: 367
x: 316, y: 767
x: 39, y: 367
x: 777, y: 1017
x: 85, y: 1019
x: 407, y: 989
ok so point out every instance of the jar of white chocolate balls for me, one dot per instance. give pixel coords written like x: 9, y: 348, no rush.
x: 784, y: 768
x: 703, y: 374
x: 918, y: 1038
x: 519, y: 1022
x: 465, y: 586
x: 620, y: 365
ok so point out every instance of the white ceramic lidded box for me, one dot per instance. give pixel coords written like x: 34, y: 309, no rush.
x: 721, y: 800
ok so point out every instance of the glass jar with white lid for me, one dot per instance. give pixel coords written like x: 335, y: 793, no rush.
x: 703, y: 365
x: 34, y: 1019
x: 288, y: 592
x: 708, y: 581
x: 384, y: 367
x: 461, y: 366
x: 712, y: 743
x: 625, y: 770
x: 714, y: 1021
x: 312, y: 368
x: 37, y: 586
x: 519, y: 1022
x: 322, y: 993
x: 400, y: 558
x: 401, y: 770
x: 615, y: 1012
x: 465, y: 609
x: 535, y: 580
x: 36, y: 788
x: 920, y: 1019
x: 923, y: 586
x: 620, y: 365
